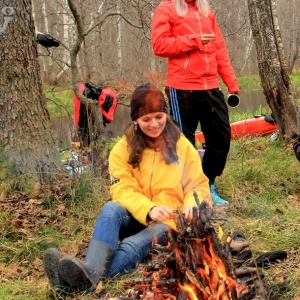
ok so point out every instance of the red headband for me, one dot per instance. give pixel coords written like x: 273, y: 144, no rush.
x: 147, y: 99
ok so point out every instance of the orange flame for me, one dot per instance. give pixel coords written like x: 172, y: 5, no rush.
x: 212, y: 270
x: 154, y: 241
x: 190, y: 290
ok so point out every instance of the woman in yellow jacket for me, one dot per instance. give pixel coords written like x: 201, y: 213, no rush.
x: 154, y: 170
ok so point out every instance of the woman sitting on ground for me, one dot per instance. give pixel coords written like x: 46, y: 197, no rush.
x: 154, y: 170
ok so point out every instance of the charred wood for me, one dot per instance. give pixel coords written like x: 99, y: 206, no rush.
x: 195, y: 265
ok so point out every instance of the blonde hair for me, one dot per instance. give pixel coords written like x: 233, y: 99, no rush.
x: 182, y: 8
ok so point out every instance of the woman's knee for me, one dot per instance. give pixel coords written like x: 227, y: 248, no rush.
x: 143, y: 241
x: 113, y: 208
x: 160, y: 234
x: 111, y: 212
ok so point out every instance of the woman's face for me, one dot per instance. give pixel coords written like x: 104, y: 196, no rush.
x: 152, y: 124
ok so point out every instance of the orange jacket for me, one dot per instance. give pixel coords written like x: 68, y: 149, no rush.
x: 191, y: 65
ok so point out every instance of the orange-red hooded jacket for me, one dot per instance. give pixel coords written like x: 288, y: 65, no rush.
x: 191, y: 65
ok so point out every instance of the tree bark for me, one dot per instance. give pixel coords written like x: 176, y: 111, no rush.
x: 26, y: 133
x: 272, y: 66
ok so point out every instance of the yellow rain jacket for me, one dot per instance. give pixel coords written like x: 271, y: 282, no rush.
x: 155, y: 183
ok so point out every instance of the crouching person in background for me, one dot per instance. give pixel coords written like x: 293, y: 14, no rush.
x: 154, y: 169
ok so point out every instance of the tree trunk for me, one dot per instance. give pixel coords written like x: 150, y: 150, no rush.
x: 91, y: 104
x: 272, y: 66
x: 26, y: 133
x: 296, y: 53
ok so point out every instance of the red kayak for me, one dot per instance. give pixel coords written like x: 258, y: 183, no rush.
x: 262, y: 125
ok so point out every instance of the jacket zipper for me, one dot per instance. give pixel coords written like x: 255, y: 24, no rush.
x: 151, y: 176
x: 186, y: 63
x: 205, y: 52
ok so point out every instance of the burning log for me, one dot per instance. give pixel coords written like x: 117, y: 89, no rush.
x: 203, y: 266
x: 195, y: 265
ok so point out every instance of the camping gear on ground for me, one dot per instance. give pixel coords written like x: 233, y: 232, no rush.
x: 267, y: 259
x: 242, y: 256
x: 297, y: 149
x: 238, y: 242
x: 75, y: 159
x: 262, y: 125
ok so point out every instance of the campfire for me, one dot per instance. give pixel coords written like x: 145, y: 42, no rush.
x: 195, y: 265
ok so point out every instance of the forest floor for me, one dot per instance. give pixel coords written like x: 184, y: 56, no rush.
x: 261, y: 180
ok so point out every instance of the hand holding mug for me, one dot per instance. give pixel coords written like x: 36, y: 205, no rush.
x: 207, y: 37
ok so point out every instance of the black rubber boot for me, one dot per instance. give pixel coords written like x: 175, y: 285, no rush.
x: 51, y: 258
x: 85, y: 276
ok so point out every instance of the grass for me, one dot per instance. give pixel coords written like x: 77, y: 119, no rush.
x: 19, y: 290
x: 59, y: 100
x: 250, y: 82
x: 261, y: 180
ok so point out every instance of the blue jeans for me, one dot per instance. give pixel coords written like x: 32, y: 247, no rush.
x: 130, y: 240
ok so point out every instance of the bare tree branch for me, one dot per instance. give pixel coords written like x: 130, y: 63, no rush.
x: 91, y: 104
x: 108, y: 14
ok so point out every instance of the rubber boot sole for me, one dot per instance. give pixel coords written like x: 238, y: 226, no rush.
x: 51, y: 258
x: 73, y: 272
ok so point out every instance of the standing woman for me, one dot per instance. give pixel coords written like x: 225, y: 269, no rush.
x: 154, y: 170
x: 187, y: 33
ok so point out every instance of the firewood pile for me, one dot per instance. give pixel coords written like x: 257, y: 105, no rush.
x: 195, y: 265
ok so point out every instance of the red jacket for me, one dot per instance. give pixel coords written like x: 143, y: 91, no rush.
x: 191, y: 65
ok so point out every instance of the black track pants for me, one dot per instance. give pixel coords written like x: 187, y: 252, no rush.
x: 208, y: 108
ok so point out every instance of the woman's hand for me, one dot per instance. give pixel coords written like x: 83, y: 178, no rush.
x: 207, y: 37
x: 160, y: 213
x: 163, y: 213
x: 188, y: 211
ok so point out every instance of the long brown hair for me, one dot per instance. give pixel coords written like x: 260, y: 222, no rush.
x: 166, y: 143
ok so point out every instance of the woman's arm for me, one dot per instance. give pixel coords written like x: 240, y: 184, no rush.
x: 193, y: 179
x: 125, y: 189
x: 164, y: 44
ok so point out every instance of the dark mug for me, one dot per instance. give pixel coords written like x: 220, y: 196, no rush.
x: 233, y: 100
